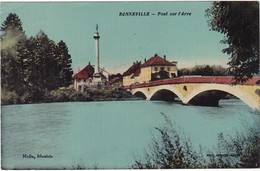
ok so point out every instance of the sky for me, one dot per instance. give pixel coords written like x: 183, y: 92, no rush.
x: 124, y: 39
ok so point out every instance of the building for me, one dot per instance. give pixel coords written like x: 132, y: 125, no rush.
x: 153, y: 69
x: 131, y: 76
x: 83, y: 78
x: 158, y: 68
x: 116, y: 82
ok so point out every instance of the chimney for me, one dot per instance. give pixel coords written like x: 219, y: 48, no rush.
x: 144, y: 59
x: 88, y: 63
x: 174, y: 63
x: 164, y: 57
x: 155, y: 54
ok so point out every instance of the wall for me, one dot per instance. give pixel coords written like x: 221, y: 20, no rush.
x: 82, y: 83
x: 145, y: 74
x: 130, y: 79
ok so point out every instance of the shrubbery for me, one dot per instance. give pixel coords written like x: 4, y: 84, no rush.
x: 63, y: 95
x: 10, y: 97
x: 171, y: 151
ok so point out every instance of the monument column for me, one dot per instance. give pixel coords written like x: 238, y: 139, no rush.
x: 96, y: 37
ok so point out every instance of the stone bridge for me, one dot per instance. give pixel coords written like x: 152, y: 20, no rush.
x: 199, y: 90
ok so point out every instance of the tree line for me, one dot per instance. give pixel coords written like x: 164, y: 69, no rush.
x: 205, y: 70
x: 31, y: 66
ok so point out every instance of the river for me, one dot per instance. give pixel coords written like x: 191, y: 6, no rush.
x: 107, y: 134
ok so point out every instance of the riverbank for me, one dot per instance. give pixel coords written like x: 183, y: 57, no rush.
x: 65, y: 95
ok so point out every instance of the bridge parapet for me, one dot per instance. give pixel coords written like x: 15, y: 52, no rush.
x: 195, y: 79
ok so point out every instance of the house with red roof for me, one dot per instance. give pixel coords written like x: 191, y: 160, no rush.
x: 116, y: 82
x: 83, y: 78
x: 154, y: 68
x: 158, y: 68
x: 131, y: 75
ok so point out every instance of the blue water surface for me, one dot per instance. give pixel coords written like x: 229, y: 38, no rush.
x: 108, y: 134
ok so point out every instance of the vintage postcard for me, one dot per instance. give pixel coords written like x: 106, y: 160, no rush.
x: 130, y: 85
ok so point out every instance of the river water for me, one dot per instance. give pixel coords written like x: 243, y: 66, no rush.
x: 107, y: 134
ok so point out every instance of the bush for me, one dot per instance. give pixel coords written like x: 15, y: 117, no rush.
x: 251, y: 157
x: 10, y: 97
x: 34, y: 95
x: 170, y: 151
x: 66, y: 95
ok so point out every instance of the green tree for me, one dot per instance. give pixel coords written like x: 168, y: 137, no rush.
x: 12, y: 22
x: 160, y: 75
x: 48, y: 66
x: 12, y: 38
x: 204, y: 70
x: 239, y: 22
x: 40, y: 62
x: 64, y: 64
x: 31, y: 67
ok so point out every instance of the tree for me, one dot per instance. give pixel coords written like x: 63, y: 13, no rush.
x: 12, y: 38
x: 48, y: 65
x: 39, y: 62
x: 204, y: 70
x: 12, y: 22
x: 64, y: 64
x: 160, y: 75
x: 239, y: 22
x: 31, y: 67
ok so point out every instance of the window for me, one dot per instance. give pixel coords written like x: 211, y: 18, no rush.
x: 168, y: 68
x: 79, y: 87
x: 162, y: 68
x: 155, y: 68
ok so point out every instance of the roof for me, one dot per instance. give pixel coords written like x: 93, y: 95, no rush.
x: 134, y: 69
x: 100, y: 75
x: 85, y: 73
x: 157, y: 60
x: 115, y: 79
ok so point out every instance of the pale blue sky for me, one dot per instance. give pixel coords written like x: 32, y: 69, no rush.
x: 124, y: 39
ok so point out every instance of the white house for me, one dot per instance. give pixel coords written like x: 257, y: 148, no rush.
x: 83, y: 78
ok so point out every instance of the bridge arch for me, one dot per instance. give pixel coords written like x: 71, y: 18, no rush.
x: 139, y: 93
x: 175, y: 92
x: 165, y: 95
x: 233, y: 90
